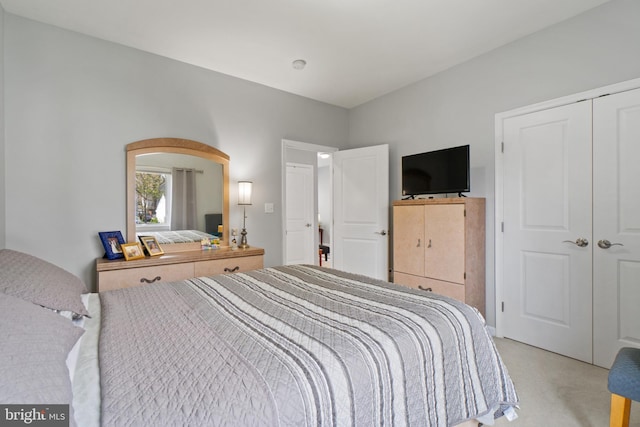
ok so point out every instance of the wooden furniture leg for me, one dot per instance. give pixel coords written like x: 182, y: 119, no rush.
x: 620, y: 411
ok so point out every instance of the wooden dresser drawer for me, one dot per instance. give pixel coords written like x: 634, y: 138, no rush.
x: 127, y: 278
x: 230, y: 265
x: 449, y: 289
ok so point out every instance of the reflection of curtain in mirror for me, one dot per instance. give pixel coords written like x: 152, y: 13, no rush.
x: 183, y: 199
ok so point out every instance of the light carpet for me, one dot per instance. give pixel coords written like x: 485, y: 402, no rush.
x: 557, y: 391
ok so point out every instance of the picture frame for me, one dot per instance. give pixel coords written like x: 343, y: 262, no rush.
x: 112, y: 242
x: 132, y: 251
x: 151, y: 245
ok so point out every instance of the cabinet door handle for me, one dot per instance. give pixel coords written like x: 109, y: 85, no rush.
x: 419, y: 243
x: 145, y: 280
x: 231, y: 270
x: 425, y: 289
x: 429, y: 243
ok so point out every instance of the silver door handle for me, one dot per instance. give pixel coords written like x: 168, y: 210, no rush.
x: 580, y: 241
x: 605, y: 244
x: 382, y: 233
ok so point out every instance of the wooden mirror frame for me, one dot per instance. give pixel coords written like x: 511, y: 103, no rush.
x: 175, y: 146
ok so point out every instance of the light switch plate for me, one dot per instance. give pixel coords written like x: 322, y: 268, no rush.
x: 268, y: 208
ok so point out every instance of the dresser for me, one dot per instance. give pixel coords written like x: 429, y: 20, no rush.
x: 117, y: 274
x: 439, y: 246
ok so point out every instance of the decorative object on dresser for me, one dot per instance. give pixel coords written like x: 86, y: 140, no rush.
x: 439, y: 246
x: 151, y: 245
x: 111, y: 240
x: 132, y: 251
x: 183, y: 265
x: 244, y: 199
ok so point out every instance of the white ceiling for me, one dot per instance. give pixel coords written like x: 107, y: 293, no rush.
x: 356, y: 50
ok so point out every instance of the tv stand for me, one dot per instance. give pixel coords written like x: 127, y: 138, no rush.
x: 461, y: 195
x: 411, y: 197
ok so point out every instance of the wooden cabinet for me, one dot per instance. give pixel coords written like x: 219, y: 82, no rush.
x: 117, y: 274
x: 439, y: 246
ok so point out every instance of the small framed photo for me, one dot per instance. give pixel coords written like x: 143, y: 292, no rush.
x: 132, y: 251
x: 151, y: 245
x: 112, y: 242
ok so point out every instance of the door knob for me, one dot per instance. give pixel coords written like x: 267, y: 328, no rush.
x: 308, y: 225
x: 580, y: 241
x: 382, y: 233
x: 605, y: 244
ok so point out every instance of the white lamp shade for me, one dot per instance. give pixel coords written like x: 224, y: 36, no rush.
x: 244, y: 192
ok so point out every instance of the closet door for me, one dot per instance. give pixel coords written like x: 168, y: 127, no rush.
x: 547, y: 240
x: 616, y: 231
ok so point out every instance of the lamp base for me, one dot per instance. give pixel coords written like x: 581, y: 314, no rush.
x: 243, y: 239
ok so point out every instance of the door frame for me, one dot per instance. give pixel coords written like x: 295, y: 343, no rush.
x: 303, y: 146
x: 499, y: 173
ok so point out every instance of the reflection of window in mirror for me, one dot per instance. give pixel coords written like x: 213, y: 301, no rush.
x: 192, y: 188
x: 153, y: 197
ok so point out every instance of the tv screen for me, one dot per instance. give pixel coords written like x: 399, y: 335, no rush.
x: 436, y: 172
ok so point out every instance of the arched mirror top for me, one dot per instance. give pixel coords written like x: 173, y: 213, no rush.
x: 175, y: 154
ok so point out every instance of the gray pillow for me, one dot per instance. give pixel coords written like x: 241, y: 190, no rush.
x: 35, y: 345
x: 40, y: 282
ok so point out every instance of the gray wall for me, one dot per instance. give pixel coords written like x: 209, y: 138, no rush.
x: 456, y: 107
x: 2, y: 156
x: 74, y: 102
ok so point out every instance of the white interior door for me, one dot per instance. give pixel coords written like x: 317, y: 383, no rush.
x: 616, y: 134
x: 300, y: 191
x: 547, y: 275
x: 361, y: 210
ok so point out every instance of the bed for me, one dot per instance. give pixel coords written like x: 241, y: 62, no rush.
x: 178, y: 240
x: 290, y: 346
x: 177, y: 236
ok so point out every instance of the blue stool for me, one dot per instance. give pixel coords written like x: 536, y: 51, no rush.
x: 624, y: 385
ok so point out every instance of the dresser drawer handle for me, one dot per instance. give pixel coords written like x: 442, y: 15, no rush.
x: 143, y: 280
x: 231, y: 270
x: 425, y: 289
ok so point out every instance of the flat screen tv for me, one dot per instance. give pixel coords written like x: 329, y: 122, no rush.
x: 436, y: 172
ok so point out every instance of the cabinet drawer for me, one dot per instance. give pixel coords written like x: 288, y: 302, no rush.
x: 230, y: 265
x: 452, y: 290
x: 128, y: 278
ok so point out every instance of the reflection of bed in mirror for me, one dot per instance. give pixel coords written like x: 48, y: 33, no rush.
x: 177, y: 237
x: 180, y: 240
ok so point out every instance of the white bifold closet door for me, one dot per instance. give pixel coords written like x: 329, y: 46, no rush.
x: 547, y: 229
x: 616, y: 226
x: 571, y: 263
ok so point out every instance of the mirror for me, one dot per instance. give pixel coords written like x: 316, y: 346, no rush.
x: 162, y: 161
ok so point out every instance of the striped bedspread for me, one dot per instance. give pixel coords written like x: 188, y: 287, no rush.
x: 177, y: 236
x: 295, y: 346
